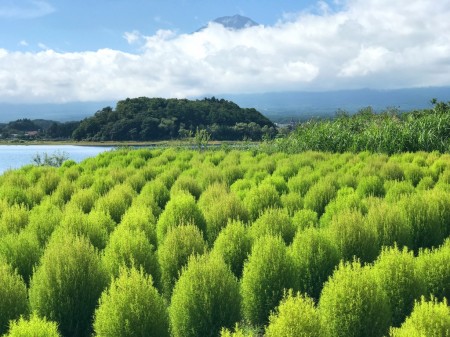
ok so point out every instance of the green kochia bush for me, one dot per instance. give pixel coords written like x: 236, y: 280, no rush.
x: 130, y: 248
x: 314, y: 258
x: 205, y: 298
x: 353, y: 305
x: 319, y: 195
x: 174, y: 252
x: 234, y: 245
x: 260, y: 198
x: 13, y: 296
x: 396, y: 274
x: 274, y: 221
x: 267, y: 273
x: 296, y: 316
x: 130, y: 307
x: 180, y: 210
x: 430, y: 319
x: 35, y: 326
x: 67, y: 284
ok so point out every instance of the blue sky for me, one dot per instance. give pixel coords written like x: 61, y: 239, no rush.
x: 68, y: 25
x: 60, y: 51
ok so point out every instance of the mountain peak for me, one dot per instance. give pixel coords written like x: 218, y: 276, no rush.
x: 235, y: 22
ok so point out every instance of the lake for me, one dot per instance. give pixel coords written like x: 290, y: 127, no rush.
x: 16, y: 156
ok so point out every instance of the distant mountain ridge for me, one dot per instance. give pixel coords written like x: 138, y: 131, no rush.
x: 235, y: 22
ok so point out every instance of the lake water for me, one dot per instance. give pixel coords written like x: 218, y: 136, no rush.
x: 16, y: 156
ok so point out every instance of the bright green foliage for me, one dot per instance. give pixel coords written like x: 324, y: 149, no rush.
x: 391, y: 223
x: 34, y: 327
x: 319, y: 195
x: 292, y: 202
x: 67, y: 284
x: 84, y: 199
x: 370, y: 186
x: 239, y: 332
x: 274, y: 221
x: 430, y: 319
x: 137, y: 182
x: 43, y: 220
x: 21, y: 251
x: 296, y: 316
x: 187, y: 184
x: 398, y: 189
x: 278, y: 182
x: 353, y: 236
x: 301, y: 183
x: 63, y: 192
x: 346, y: 199
x: 49, y: 181
x: 396, y: 275
x: 157, y: 191
x: 140, y: 217
x: 219, y: 206
x: 305, y: 218
x: 260, y: 198
x: 392, y: 171
x: 130, y: 248
x: 426, y: 183
x: 352, y: 304
x: 117, y: 201
x: 433, y: 269
x: 131, y: 307
x: 205, y: 298
x: 13, y: 296
x: 314, y: 259
x: 173, y: 254
x: 234, y: 245
x: 267, y: 273
x: 180, y: 210
x: 78, y: 223
x: 13, y: 219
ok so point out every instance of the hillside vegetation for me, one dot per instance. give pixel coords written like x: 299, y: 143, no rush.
x: 143, y: 119
x: 227, y: 243
x: 388, y: 132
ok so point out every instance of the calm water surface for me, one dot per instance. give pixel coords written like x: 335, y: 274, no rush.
x: 16, y: 156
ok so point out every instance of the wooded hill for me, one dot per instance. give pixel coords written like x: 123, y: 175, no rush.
x: 144, y: 119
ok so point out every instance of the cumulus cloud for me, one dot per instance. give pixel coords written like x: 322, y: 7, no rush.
x: 25, y: 9
x: 348, y: 44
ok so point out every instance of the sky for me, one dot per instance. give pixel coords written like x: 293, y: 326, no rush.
x: 59, y: 51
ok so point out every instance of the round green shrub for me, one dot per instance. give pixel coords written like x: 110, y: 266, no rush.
x: 43, y: 219
x: 140, y: 217
x: 13, y: 219
x: 116, y: 201
x: 274, y: 221
x: 260, y: 198
x: 67, y: 284
x: 219, y: 206
x: 239, y: 331
x: 13, y: 296
x: 319, y: 195
x: 180, y: 210
x: 187, y: 184
x: 35, y: 327
x: 396, y: 274
x: 130, y: 248
x: 174, y: 252
x: 234, y: 245
x: 305, y: 218
x: 353, y: 305
x: 131, y: 306
x: 267, y: 273
x: 351, y: 234
x: 370, y: 186
x: 84, y: 199
x: 205, y: 298
x: 429, y: 318
x: 314, y: 259
x: 296, y: 316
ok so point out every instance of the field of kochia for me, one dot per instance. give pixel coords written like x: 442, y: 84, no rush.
x: 176, y: 242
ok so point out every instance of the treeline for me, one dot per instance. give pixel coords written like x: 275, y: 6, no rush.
x: 227, y: 243
x: 388, y: 132
x: 37, y: 129
x: 143, y: 119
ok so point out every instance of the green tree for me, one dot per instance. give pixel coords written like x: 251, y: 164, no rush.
x: 296, y: 316
x: 13, y: 296
x: 67, y: 284
x: 35, y: 326
x: 131, y: 306
x: 205, y: 298
x: 267, y: 274
x: 352, y: 304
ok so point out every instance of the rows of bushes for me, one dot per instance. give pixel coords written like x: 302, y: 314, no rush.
x: 227, y: 243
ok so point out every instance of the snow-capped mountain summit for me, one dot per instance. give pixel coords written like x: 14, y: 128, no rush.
x: 234, y: 22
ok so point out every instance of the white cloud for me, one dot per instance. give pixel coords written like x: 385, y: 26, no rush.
x: 361, y: 43
x: 27, y: 9
x: 23, y: 43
